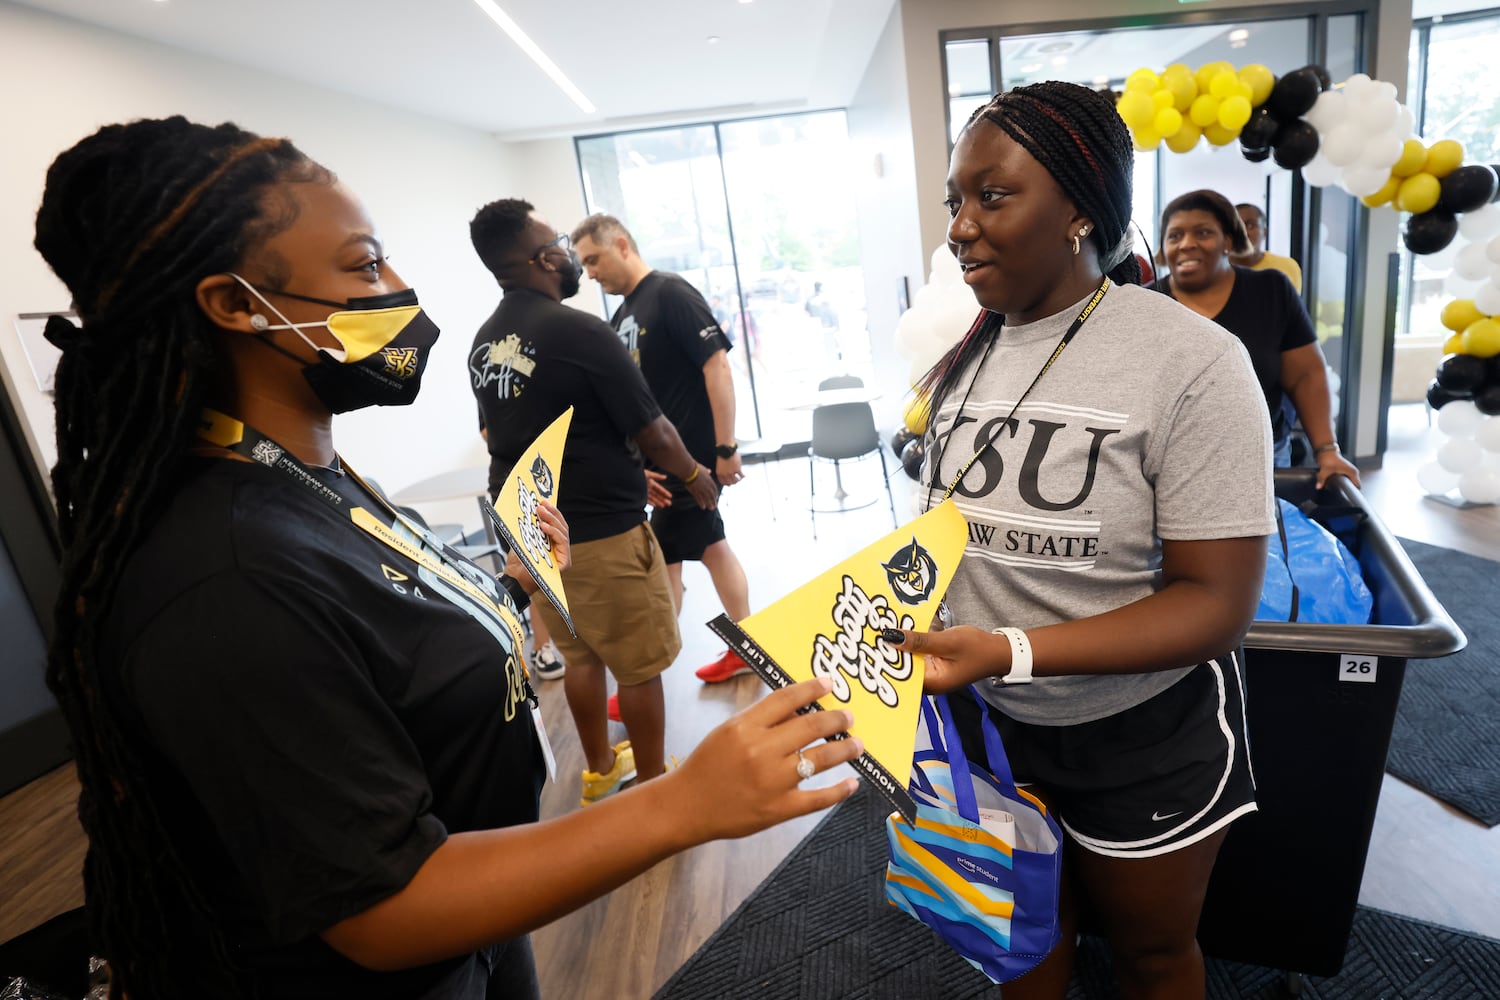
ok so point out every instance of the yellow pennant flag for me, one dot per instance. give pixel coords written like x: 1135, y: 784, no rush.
x: 831, y: 628
x: 537, y: 476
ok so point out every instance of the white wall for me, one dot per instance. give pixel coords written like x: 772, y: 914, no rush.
x: 422, y: 181
x: 880, y: 132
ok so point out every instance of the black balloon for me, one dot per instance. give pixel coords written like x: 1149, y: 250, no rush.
x: 1324, y: 80
x: 1496, y: 168
x: 1487, y: 400
x: 912, y: 456
x: 1461, y: 372
x: 1297, y: 143
x: 1255, y: 155
x: 1467, y: 188
x: 1294, y: 94
x: 1492, y: 370
x: 1260, y: 131
x: 1430, y: 231
x: 899, y: 439
x: 1438, y: 397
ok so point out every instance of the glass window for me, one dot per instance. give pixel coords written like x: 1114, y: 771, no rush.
x: 970, y: 81
x: 759, y: 217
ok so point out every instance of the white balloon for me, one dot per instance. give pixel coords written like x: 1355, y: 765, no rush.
x: 1492, y: 250
x: 1334, y: 382
x: 1357, y: 86
x: 1381, y: 150
x: 1435, y: 479
x: 1459, y: 419
x: 945, y: 269
x: 1480, y: 486
x: 1386, y: 91
x: 1341, y: 145
x: 1406, y: 121
x: 1459, y: 454
x: 1488, y: 299
x: 1481, y: 224
x: 1455, y: 287
x: 1319, y: 172
x: 1360, y: 180
x: 1487, y: 435
x: 1473, y: 262
x: 1378, y: 113
x: 1326, y: 112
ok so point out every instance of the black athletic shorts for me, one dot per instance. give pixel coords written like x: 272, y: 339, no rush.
x: 1146, y: 781
x: 684, y: 529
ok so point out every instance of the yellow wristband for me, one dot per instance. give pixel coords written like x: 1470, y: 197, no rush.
x: 689, y: 479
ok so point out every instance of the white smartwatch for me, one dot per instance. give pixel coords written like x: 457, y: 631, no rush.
x: 1020, y: 656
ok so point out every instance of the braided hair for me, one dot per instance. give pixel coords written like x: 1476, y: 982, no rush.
x: 1078, y: 137
x: 132, y: 218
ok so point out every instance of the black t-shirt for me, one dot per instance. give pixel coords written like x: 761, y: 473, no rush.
x: 1265, y: 313
x: 318, y: 718
x: 671, y: 332
x: 531, y: 360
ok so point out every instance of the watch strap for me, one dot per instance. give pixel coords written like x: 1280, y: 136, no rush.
x: 1020, y: 656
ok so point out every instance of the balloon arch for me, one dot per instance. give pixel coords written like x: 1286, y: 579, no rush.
x: 1358, y: 136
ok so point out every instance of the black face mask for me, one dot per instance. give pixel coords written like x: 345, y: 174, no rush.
x: 572, y: 275
x: 386, y: 340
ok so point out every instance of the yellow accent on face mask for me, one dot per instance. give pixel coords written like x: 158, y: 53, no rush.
x: 365, y: 331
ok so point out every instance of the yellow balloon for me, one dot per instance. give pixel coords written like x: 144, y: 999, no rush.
x: 1224, y: 84
x: 1482, y: 339
x: 1219, y: 135
x: 1444, y: 157
x: 915, y: 416
x: 1385, y: 194
x: 1205, y: 110
x: 1136, y: 109
x: 1183, y: 87
x: 1205, y: 75
x: 1167, y: 121
x: 1177, y: 69
x: 1418, y: 193
x: 1260, y: 80
x: 1454, y: 344
x: 1234, y: 112
x: 1162, y: 99
x: 1413, y: 156
x: 1146, y: 140
x: 1142, y: 79
x: 1185, y: 138
x: 1460, y: 314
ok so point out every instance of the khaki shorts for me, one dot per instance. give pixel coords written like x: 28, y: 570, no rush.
x: 621, y: 604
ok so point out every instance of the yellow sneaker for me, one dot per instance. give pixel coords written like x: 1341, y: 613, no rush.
x: 599, y: 786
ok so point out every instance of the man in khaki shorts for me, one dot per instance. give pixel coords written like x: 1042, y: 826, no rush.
x: 531, y: 360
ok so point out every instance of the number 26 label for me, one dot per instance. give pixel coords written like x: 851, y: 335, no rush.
x: 1358, y: 667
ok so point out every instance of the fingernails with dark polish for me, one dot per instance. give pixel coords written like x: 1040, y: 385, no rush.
x: 893, y: 635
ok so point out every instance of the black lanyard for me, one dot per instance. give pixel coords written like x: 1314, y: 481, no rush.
x: 242, y: 439
x: 1067, y: 338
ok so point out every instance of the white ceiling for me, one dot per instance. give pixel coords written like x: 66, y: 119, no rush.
x: 639, y: 62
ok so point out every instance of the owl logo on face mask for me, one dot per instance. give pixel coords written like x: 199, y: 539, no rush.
x: 400, y: 361
x: 912, y: 573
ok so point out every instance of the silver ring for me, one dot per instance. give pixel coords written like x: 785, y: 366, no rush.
x: 805, y: 768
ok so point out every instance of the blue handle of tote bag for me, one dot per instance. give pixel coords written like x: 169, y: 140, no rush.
x: 958, y: 761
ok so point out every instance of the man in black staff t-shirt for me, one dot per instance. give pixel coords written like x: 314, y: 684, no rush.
x: 531, y: 360
x: 673, y: 335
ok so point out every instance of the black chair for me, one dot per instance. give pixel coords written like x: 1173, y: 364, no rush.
x: 843, y: 431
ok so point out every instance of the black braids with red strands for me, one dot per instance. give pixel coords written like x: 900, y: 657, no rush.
x: 132, y: 218
x: 1078, y: 137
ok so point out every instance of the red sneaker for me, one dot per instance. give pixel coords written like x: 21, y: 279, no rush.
x: 614, y: 708
x: 727, y: 666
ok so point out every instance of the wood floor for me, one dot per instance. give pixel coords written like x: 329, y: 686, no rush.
x: 1426, y: 860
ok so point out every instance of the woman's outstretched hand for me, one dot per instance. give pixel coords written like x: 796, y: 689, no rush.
x: 744, y: 776
x: 957, y: 656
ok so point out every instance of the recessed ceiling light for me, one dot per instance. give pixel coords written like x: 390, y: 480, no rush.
x: 713, y: 39
x: 1239, y: 34
x: 1056, y: 47
x: 534, y: 50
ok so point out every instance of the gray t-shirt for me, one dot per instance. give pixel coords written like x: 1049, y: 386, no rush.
x: 1150, y: 425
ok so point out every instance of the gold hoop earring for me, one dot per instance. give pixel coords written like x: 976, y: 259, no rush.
x: 1077, y: 237
x: 1075, y: 244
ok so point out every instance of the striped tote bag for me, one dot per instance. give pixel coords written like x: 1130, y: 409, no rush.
x: 981, y: 864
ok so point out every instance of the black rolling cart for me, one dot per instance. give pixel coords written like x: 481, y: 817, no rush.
x: 1320, y: 705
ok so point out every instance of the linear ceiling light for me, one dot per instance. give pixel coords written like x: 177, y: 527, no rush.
x: 533, y: 50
